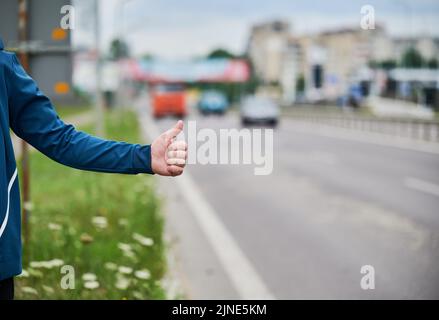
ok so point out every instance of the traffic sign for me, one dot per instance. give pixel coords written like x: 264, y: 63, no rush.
x: 48, y: 45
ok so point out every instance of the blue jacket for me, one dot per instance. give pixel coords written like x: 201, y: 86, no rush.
x: 30, y: 114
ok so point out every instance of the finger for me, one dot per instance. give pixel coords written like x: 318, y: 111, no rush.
x: 175, y: 170
x: 174, y: 131
x: 176, y: 162
x: 178, y: 145
x: 182, y: 154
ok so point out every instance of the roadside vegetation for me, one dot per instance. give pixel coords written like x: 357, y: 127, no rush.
x: 68, y: 111
x: 108, y: 227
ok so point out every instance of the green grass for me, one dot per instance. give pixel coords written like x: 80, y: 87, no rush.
x: 68, y: 111
x: 65, y: 201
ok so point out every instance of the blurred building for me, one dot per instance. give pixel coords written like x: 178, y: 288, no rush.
x: 290, y: 71
x: 332, y: 61
x: 428, y: 47
x: 266, y: 48
x: 328, y: 62
x: 420, y: 86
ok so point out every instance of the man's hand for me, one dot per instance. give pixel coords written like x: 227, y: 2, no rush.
x: 168, y: 157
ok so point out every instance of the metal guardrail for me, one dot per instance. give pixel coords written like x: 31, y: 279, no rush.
x: 37, y: 47
x: 423, y: 130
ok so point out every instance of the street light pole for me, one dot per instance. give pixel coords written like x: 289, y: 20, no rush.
x: 99, y: 102
x: 120, y: 34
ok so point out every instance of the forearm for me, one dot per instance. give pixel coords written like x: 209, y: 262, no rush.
x: 33, y: 118
x: 82, y: 151
x: 64, y: 144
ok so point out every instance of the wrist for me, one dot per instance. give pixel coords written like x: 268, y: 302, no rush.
x: 142, y: 159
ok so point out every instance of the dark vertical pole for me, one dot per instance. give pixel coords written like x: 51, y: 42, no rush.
x: 25, y: 184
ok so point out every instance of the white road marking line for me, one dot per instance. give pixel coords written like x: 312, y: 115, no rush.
x: 365, y: 137
x: 241, y: 272
x: 422, y: 185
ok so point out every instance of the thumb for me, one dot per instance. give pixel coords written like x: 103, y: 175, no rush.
x: 174, y: 131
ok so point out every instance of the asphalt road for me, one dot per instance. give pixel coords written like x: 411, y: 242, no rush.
x: 330, y: 206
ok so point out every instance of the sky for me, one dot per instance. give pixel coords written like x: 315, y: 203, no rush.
x: 181, y: 29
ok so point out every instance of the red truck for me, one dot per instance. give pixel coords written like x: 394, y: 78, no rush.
x: 168, y: 99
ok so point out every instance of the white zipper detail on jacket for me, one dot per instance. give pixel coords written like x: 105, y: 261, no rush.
x: 5, y: 220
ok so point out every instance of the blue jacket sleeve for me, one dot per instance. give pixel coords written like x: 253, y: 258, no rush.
x: 33, y: 118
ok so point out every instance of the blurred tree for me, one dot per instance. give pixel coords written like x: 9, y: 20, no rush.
x: 233, y: 91
x: 300, y: 84
x: 119, y: 49
x: 148, y: 56
x: 388, y: 64
x: 412, y: 58
x: 433, y: 63
x: 221, y: 53
x: 373, y: 64
x: 253, y: 82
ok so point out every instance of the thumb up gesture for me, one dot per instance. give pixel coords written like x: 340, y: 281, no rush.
x: 168, y: 157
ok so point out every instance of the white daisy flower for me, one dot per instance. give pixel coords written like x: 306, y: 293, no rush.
x: 130, y: 254
x: 125, y: 270
x: 91, y: 285
x: 122, y: 283
x: 29, y: 290
x: 143, y: 274
x: 56, y: 263
x: 54, y: 226
x: 144, y: 241
x: 138, y: 295
x: 89, y: 277
x: 124, y: 246
x: 28, y: 206
x: 100, y: 222
x: 46, y: 264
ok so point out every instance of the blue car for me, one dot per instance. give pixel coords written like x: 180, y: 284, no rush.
x: 212, y: 101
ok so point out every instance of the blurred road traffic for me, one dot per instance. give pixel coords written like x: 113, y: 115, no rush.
x: 330, y: 206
